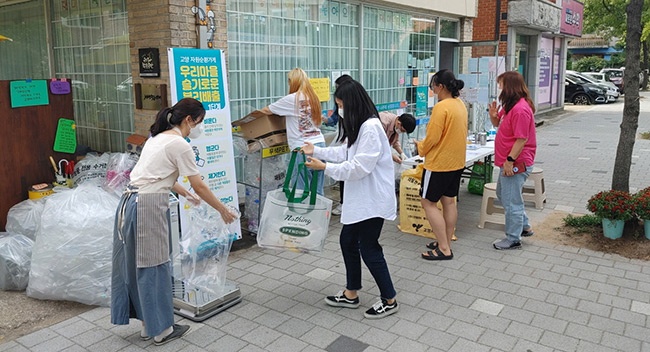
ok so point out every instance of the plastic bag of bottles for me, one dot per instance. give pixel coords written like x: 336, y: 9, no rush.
x: 204, y: 249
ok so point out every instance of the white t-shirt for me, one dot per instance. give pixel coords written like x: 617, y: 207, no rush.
x: 163, y: 158
x: 300, y: 127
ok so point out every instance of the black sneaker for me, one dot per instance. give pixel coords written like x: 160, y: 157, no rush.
x: 527, y: 233
x: 341, y: 301
x: 381, y: 309
x: 177, y: 332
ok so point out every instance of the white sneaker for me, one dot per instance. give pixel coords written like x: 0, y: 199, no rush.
x: 337, y: 211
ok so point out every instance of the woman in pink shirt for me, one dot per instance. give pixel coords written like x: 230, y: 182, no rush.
x: 514, y: 153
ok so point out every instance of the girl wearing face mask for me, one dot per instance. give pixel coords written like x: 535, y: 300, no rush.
x: 141, y: 272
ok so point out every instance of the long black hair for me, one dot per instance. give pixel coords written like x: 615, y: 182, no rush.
x: 358, y: 108
x: 342, y: 79
x: 449, y: 81
x: 167, y: 118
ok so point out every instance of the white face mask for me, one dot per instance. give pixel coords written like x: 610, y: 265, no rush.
x: 340, y: 112
x: 196, y: 132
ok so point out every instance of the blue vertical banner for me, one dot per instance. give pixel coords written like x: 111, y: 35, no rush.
x: 421, y: 100
x: 200, y: 74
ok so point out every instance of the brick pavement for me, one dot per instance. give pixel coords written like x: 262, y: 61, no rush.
x: 542, y: 298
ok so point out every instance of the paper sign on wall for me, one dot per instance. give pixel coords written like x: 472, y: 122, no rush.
x: 66, y: 136
x: 28, y: 93
x: 322, y: 88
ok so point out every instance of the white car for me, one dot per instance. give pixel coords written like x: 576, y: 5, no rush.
x: 600, y: 77
x: 611, y: 92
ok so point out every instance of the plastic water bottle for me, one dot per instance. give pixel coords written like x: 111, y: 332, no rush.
x: 492, y: 133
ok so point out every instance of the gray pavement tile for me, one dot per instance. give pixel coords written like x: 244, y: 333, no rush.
x: 239, y: 327
x: 261, y: 336
x: 620, y: 342
x: 524, y: 345
x: 594, y: 308
x: 13, y: 346
x: 91, y: 337
x: 404, y: 344
x: 227, y: 343
x: 636, y: 295
x: 549, y: 323
x: 465, y: 330
x: 464, y: 345
x: 115, y: 343
x: 637, y: 332
x: 56, y: 344
x: 584, y: 332
x: 205, y: 335
x: 295, y: 327
x: 320, y: 337
x: 586, y: 346
x: 498, y: 340
x: 37, y: 337
x: 562, y: 300
x: 606, y: 324
x: 350, y: 327
x: 524, y: 331
x: 559, y: 341
x: 286, y: 344
x: 271, y: 318
x: 344, y: 343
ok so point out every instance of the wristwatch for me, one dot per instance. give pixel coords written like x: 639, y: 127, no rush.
x: 511, y: 159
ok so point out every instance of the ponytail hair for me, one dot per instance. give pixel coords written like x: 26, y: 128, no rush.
x: 448, y: 80
x: 168, y: 118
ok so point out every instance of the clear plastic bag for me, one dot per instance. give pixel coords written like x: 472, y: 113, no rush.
x: 91, y: 169
x: 204, y: 249
x: 24, y: 217
x: 118, y: 172
x: 72, y: 256
x: 15, y: 254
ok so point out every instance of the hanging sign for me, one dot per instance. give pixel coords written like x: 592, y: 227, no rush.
x: 60, y: 86
x: 66, y: 136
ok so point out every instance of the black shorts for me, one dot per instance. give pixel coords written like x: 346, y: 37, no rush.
x: 436, y: 184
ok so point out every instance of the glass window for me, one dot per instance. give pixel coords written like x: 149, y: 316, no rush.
x: 24, y: 57
x: 449, y: 29
x: 91, y: 47
x: 317, y: 37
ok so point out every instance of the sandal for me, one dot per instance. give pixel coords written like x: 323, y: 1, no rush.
x: 437, y: 254
x: 432, y: 245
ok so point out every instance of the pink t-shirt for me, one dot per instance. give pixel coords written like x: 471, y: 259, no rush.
x: 517, y: 123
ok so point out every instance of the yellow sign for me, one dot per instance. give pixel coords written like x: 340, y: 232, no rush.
x: 322, y: 88
x: 273, y: 151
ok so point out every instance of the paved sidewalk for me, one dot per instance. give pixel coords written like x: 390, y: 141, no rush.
x: 542, y: 298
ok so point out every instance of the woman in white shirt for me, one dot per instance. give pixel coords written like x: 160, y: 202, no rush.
x: 302, y: 111
x: 141, y: 274
x: 365, y: 164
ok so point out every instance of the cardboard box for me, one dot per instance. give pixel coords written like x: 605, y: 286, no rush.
x: 269, y: 141
x: 258, y: 125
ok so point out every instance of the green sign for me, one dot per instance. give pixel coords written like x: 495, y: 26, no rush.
x: 66, y: 137
x: 28, y: 93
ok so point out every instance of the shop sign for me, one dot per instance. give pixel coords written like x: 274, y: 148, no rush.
x: 149, y: 62
x: 572, y: 18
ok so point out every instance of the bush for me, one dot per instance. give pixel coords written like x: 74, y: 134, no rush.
x: 582, y: 223
x: 589, y: 64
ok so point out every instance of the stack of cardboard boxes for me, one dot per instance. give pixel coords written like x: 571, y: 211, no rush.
x: 261, y: 130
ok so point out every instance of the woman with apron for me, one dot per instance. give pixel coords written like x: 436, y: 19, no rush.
x: 142, y: 277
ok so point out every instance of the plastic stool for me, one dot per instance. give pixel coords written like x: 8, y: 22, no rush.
x: 490, y: 212
x: 536, y: 193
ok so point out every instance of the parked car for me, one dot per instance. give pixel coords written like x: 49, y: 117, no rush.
x: 600, y: 77
x: 581, y: 92
x: 614, y: 75
x: 610, y: 91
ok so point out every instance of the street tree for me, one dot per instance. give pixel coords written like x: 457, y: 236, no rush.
x: 630, y: 122
x: 605, y: 17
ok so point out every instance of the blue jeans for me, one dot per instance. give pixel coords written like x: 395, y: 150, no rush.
x: 509, y: 192
x: 361, y: 240
x: 300, y: 183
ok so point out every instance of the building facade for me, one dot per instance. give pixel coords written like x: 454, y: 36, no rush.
x: 389, y: 46
x: 532, y: 35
